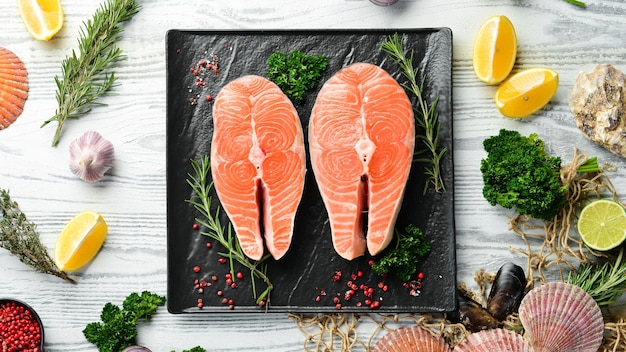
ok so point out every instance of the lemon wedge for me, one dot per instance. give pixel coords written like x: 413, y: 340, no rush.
x: 527, y: 91
x: 80, y: 241
x: 42, y: 18
x: 495, y: 50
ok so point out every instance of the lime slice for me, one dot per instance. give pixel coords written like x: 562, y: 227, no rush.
x: 602, y: 224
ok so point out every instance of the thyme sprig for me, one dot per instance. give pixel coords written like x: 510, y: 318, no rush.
x: 19, y: 236
x: 202, y: 202
x: 87, y: 75
x: 426, y: 114
x: 605, y: 282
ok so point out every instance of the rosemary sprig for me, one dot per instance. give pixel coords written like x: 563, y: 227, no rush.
x: 605, y: 282
x: 225, y: 236
x: 19, y: 236
x: 576, y: 2
x: 426, y: 115
x: 86, y: 76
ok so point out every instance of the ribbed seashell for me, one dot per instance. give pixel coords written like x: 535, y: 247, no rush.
x: 561, y: 317
x: 411, y: 339
x: 493, y: 340
x: 13, y: 87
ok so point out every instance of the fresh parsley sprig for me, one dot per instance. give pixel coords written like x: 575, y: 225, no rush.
x: 86, y: 75
x: 118, y: 326
x: 296, y: 73
x: 426, y: 117
x: 605, y: 282
x: 202, y: 201
x: 402, y: 259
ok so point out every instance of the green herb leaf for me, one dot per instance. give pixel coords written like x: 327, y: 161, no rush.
x: 576, y: 2
x: 118, y: 327
x: 295, y: 74
x: 19, y: 236
x: 86, y: 76
x: 195, y: 349
x: 402, y: 259
x: 519, y: 173
x: 605, y: 282
x: 202, y: 202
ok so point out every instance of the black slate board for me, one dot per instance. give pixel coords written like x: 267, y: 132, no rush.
x: 306, y: 272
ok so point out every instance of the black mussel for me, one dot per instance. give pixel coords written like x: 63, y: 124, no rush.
x: 472, y: 315
x: 507, y: 291
x: 476, y: 318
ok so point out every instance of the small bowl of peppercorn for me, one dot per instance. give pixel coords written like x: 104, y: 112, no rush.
x: 20, y: 327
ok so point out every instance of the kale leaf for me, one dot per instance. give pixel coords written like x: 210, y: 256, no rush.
x: 518, y: 172
x: 296, y: 74
x: 403, y: 258
x: 118, y: 327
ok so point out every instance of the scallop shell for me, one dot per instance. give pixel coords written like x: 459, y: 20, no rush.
x: 13, y: 87
x: 493, y: 340
x: 561, y: 317
x: 411, y: 339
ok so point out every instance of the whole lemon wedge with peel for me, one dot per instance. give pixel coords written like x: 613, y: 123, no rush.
x: 495, y: 50
x: 602, y: 224
x: 42, y: 18
x: 527, y: 91
x: 80, y: 241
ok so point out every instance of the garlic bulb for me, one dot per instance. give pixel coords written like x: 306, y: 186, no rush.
x: 91, y: 156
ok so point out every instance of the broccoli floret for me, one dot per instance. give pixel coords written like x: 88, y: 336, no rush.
x: 518, y: 172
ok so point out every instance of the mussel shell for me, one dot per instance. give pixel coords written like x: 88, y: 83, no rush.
x: 560, y: 317
x: 13, y: 87
x: 507, y: 291
x: 411, y: 339
x: 476, y: 318
x: 494, y: 340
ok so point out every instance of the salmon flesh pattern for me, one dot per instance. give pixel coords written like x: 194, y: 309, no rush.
x: 258, y: 163
x: 361, y: 141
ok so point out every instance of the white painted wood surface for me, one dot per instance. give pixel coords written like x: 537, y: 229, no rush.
x: 132, y: 197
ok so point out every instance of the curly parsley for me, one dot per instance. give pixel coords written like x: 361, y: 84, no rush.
x: 296, y: 74
x: 403, y: 258
x: 118, y: 328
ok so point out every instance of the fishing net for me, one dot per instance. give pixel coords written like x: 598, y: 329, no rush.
x: 552, y: 250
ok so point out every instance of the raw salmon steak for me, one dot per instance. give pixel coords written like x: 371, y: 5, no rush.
x: 361, y: 140
x: 258, y: 163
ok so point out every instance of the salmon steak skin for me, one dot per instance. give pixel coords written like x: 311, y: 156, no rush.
x: 258, y: 163
x: 361, y: 142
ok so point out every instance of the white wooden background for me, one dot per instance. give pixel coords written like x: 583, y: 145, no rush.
x: 132, y: 198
